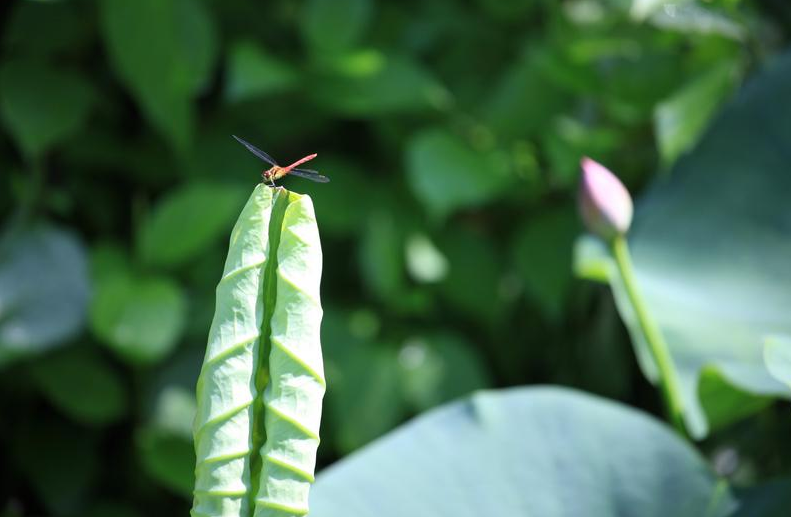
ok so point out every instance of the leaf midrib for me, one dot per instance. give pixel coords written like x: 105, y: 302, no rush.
x: 280, y: 201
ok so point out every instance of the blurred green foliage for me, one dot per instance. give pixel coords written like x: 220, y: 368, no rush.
x: 452, y: 133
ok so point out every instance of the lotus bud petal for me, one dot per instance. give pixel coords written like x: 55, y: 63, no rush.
x: 604, y: 202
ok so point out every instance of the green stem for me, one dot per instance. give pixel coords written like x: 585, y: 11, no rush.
x: 668, y: 377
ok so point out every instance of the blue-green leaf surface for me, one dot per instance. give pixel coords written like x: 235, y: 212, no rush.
x: 548, y: 452
x: 262, y: 381
x: 41, y: 314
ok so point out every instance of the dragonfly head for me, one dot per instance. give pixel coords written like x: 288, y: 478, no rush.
x: 267, y: 174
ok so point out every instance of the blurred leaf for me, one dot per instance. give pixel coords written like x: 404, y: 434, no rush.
x: 169, y: 458
x: 474, y: 278
x: 252, y: 73
x: 164, y: 52
x: 770, y: 499
x: 439, y: 367
x: 446, y: 174
x: 641, y: 9
x: 60, y: 463
x: 680, y: 120
x: 525, y: 99
x: 723, y: 403
x: 476, y: 457
x: 82, y: 385
x: 42, y: 116
x: 107, y: 260
x: 367, y: 382
x: 777, y: 356
x: 165, y: 442
x: 188, y: 221
x: 43, y: 291
x: 710, y: 247
x: 369, y: 84
x: 568, y: 140
x: 543, y: 255
x: 380, y: 255
x: 425, y: 263
x: 345, y: 177
x: 333, y: 26
x: 362, y: 377
x: 141, y: 319
x: 592, y: 260
x: 175, y: 410
x: 65, y: 29
x: 691, y: 17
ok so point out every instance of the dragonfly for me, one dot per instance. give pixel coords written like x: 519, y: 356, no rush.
x: 276, y: 171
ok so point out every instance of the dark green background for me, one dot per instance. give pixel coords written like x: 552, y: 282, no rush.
x: 452, y: 132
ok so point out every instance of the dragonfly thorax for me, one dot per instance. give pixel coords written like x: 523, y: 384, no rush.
x: 269, y: 173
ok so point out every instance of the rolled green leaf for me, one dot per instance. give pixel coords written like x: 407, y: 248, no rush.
x: 262, y: 381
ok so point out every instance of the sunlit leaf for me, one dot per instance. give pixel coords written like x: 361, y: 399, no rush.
x: 446, y: 174
x: 424, y: 261
x: 139, y: 318
x: 253, y: 73
x: 188, y: 221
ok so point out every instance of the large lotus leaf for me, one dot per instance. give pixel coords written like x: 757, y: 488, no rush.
x: 711, y: 246
x: 549, y: 452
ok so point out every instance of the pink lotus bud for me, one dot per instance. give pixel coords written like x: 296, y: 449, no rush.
x: 604, y: 202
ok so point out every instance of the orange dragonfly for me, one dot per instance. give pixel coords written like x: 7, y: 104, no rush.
x: 276, y: 171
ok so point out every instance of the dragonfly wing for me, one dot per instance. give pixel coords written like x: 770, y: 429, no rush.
x: 310, y: 175
x: 256, y: 151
